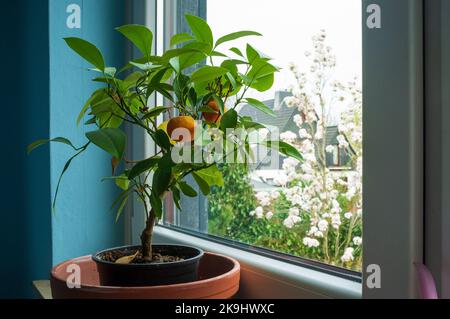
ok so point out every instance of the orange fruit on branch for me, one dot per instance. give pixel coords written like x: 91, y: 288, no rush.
x: 181, y: 129
x: 212, y: 117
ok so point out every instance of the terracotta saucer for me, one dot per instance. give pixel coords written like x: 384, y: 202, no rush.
x: 219, y: 279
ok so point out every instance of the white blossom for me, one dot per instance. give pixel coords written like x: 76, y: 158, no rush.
x: 323, y: 225
x: 294, y: 211
x: 298, y: 120
x: 281, y: 179
x: 312, y: 190
x: 311, y: 242
x: 274, y: 195
x: 348, y: 215
x: 263, y: 198
x: 292, y: 101
x: 357, y: 241
x: 291, y: 221
x: 336, y: 221
x: 259, y: 212
x: 348, y: 255
x: 329, y: 149
x: 303, y: 134
x: 288, y: 137
x: 342, y: 141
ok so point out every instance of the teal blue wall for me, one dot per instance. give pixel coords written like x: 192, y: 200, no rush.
x: 43, y: 87
x: 25, y: 225
x: 84, y: 222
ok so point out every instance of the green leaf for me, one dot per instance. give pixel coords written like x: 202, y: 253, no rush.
x: 155, y: 112
x: 211, y: 175
x: 87, y: 51
x: 38, y: 143
x: 156, y: 203
x: 162, y: 139
x: 252, y: 54
x: 122, y: 182
x: 85, y: 108
x: 187, y: 189
x: 249, y: 124
x: 142, y: 167
x: 176, y: 197
x: 208, y: 73
x: 260, y: 106
x: 107, y: 112
x: 110, y: 140
x: 105, y: 106
x: 144, y: 66
x: 121, y: 208
x: 237, y: 51
x: 161, y: 181
x: 202, y: 184
x: 207, y: 109
x: 200, y: 47
x: 121, y: 197
x: 91, y: 121
x: 285, y: 149
x: 132, y: 79
x: 200, y: 29
x: 219, y: 103
x: 263, y: 84
x: 155, y: 82
x: 236, y: 35
x: 229, y: 120
x: 231, y: 65
x: 187, y: 60
x: 166, y: 162
x: 197, y: 53
x: 165, y: 93
x: 110, y: 71
x: 108, y: 120
x: 66, y: 167
x: 218, y: 54
x: 260, y: 69
x: 141, y: 37
x: 169, y: 54
x: 180, y: 38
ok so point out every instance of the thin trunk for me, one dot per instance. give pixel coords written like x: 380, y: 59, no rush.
x: 146, y: 237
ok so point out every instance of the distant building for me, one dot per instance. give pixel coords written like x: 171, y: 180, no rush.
x: 265, y: 171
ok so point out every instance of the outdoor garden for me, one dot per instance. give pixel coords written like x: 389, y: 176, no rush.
x: 315, y: 211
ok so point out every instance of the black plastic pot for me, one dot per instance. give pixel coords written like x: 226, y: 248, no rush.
x: 155, y: 274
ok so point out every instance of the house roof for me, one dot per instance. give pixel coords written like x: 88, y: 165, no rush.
x: 284, y: 121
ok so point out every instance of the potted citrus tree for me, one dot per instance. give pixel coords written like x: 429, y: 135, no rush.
x: 196, y: 103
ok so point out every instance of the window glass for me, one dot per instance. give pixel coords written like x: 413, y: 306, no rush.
x: 310, y: 209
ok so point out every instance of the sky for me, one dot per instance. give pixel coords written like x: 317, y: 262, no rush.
x: 287, y: 27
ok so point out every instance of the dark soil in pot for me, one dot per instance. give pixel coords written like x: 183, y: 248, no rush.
x: 171, y: 264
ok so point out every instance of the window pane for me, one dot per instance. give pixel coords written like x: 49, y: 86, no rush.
x: 311, y: 209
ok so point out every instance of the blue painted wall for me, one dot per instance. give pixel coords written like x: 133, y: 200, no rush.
x: 44, y: 85
x: 25, y: 225
x: 84, y: 222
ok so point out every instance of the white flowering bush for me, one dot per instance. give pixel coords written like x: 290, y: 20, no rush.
x: 319, y: 208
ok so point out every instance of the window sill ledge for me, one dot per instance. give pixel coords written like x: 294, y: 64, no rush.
x: 263, y: 277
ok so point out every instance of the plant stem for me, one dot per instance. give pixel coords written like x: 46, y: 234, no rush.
x: 146, y: 237
x: 147, y: 233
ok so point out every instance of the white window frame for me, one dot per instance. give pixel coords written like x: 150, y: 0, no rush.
x: 393, y: 236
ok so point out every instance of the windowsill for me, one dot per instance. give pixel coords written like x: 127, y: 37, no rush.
x: 263, y: 277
